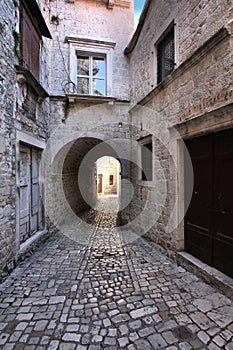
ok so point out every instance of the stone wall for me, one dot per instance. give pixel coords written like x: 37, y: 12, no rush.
x: 72, y: 118
x: 7, y: 135
x: 88, y: 133
x: 92, y: 20
x: 199, y: 89
x: 195, y: 23
x: 20, y: 110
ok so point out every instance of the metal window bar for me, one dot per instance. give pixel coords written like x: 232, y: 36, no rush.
x: 166, y: 56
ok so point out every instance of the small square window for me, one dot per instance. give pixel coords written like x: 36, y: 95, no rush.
x: 166, y: 55
x: 91, y: 74
x: 146, y: 160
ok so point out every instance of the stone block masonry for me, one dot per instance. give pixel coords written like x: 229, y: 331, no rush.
x: 94, y: 21
x: 20, y: 110
x: 195, y: 98
x: 29, y: 117
x: 7, y: 136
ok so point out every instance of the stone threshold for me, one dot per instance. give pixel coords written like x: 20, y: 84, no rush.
x: 208, y: 273
x: 31, y: 243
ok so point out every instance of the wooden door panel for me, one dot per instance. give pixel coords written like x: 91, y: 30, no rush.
x: 35, y: 183
x: 223, y: 204
x: 35, y: 191
x: 223, y: 208
x: 198, y: 237
x: 24, y: 192
x: 31, y: 215
x: 198, y: 244
x: 209, y: 219
x: 223, y: 256
x: 24, y: 204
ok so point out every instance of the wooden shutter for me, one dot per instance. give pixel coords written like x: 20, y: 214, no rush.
x: 30, y: 44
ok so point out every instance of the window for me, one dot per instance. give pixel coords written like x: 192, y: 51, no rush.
x: 110, y: 179
x: 166, y: 55
x: 32, y: 28
x: 90, y: 67
x: 91, y: 74
x: 146, y: 155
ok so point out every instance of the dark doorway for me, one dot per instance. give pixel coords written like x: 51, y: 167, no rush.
x: 209, y: 219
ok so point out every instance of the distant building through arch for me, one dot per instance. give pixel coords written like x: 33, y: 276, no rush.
x: 108, y: 178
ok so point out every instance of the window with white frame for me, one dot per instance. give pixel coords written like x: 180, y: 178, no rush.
x: 91, y: 66
x: 91, y: 74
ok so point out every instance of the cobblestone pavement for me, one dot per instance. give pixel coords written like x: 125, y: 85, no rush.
x: 109, y: 295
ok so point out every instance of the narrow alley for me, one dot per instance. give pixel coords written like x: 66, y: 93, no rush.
x: 109, y: 295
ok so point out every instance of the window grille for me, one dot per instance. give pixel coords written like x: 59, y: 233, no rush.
x: 166, y: 56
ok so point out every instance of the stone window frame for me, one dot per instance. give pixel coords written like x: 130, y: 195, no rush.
x: 142, y: 142
x: 90, y: 47
x: 171, y: 23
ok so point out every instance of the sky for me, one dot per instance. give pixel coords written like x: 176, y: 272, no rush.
x: 138, y: 6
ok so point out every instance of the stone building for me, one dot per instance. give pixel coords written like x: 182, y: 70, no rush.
x: 64, y: 83
x: 77, y: 84
x: 24, y: 126
x: 181, y: 90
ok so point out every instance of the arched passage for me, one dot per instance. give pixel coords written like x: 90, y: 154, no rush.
x: 69, y: 178
x: 79, y: 173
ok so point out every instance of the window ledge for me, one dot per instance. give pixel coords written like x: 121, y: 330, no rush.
x: 24, y: 76
x: 90, y: 98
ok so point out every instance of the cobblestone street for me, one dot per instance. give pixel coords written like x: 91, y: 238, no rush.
x: 109, y: 295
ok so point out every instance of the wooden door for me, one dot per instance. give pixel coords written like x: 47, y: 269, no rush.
x: 198, y: 235
x: 223, y: 203
x: 209, y: 219
x: 31, y: 213
x: 100, y: 183
x: 34, y: 191
x: 24, y: 195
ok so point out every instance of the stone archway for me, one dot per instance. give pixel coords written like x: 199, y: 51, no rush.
x: 70, y: 176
